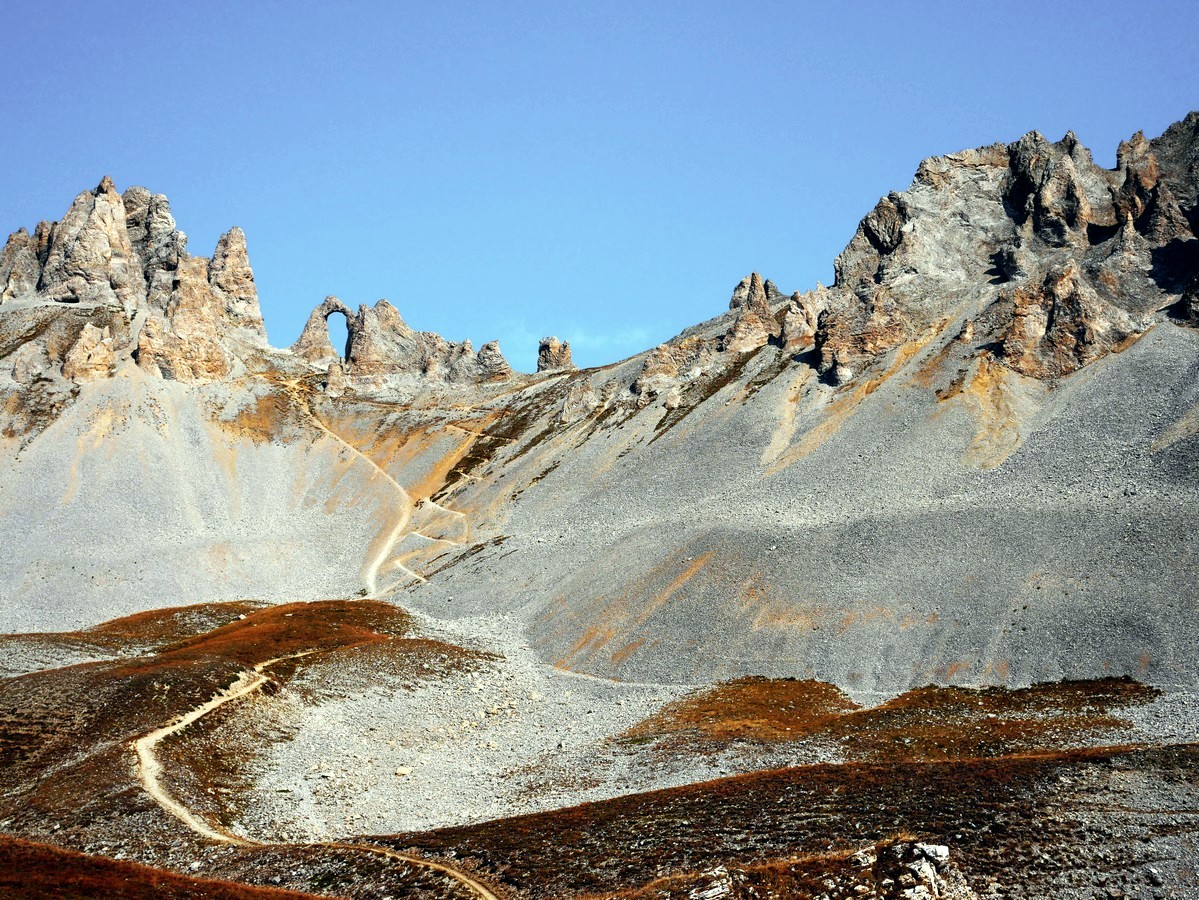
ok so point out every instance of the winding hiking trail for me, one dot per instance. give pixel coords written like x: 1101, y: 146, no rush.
x: 150, y: 774
x: 373, y: 565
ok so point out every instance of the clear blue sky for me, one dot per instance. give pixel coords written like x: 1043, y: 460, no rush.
x: 605, y: 172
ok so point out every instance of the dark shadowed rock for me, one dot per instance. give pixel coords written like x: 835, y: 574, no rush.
x: 1177, y: 153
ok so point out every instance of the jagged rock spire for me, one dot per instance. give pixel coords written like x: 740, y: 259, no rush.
x: 19, y: 266
x: 232, y: 280
x: 90, y: 256
x: 755, y: 323
x: 553, y: 354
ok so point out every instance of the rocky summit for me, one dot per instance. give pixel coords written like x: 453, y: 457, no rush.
x: 915, y: 550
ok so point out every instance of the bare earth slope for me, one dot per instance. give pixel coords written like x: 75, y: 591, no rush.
x: 970, y: 460
x: 886, y: 589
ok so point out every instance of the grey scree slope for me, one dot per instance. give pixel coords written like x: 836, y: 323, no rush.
x: 970, y: 460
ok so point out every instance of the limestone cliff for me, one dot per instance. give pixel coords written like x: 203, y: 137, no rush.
x: 974, y: 449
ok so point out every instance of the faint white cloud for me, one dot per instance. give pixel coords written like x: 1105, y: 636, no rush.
x: 632, y: 339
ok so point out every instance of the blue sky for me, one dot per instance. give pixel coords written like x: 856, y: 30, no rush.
x: 605, y: 172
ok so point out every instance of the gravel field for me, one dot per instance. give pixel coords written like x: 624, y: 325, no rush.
x: 461, y: 748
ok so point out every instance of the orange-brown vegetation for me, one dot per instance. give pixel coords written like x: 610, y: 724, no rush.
x: 759, y: 709
x: 143, y: 631
x: 66, y: 768
x: 30, y: 870
x: 927, y: 723
x: 1048, y: 819
x: 993, y: 772
x: 68, y: 713
x: 294, y: 628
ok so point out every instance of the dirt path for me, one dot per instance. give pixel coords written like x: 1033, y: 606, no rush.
x: 374, y: 564
x: 150, y: 774
x: 149, y: 769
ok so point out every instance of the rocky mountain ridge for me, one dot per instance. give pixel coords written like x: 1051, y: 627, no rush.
x: 1072, y: 259
x: 1014, y: 325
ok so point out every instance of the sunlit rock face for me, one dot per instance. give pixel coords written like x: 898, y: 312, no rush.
x: 969, y: 459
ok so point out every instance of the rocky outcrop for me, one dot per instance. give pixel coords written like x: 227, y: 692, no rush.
x: 668, y: 368
x: 1188, y: 307
x: 313, y: 343
x: 335, y: 379
x: 580, y: 402
x: 1047, y: 189
x: 490, y: 362
x: 382, y: 344
x: 658, y: 373
x: 1177, y: 151
x: 553, y: 355
x: 917, y: 871
x: 19, y: 267
x: 186, y: 343
x: 158, y: 243
x: 91, y: 357
x: 90, y: 256
x: 1066, y: 258
x: 1060, y: 325
x: 755, y: 324
x: 1056, y: 260
x: 801, y: 318
x: 848, y: 338
x: 124, y: 252
x: 232, y: 281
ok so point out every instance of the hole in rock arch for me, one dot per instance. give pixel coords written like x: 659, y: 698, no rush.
x: 339, y: 333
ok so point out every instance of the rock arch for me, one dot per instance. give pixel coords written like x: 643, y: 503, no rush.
x: 314, y: 344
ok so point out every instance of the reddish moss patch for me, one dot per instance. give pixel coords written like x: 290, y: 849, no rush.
x: 64, y: 733
x: 1046, y: 820
x: 294, y: 628
x: 30, y: 870
x: 759, y: 709
x: 926, y: 723
x: 141, y: 632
